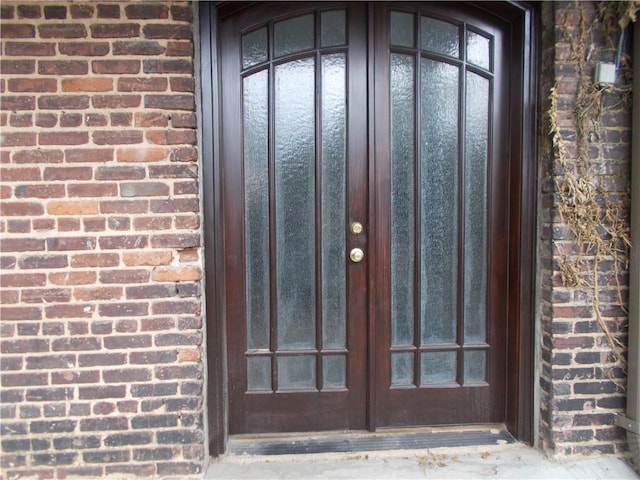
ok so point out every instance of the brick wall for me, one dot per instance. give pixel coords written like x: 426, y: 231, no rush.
x: 582, y: 382
x: 101, y: 334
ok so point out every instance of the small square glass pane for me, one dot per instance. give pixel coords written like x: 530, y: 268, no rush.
x: 333, y: 29
x: 293, y: 35
x: 334, y: 371
x: 402, y: 368
x: 402, y: 29
x: 475, y: 366
x: 297, y: 372
x: 478, y: 50
x: 259, y: 373
x: 438, y: 367
x: 441, y: 37
x: 254, y: 48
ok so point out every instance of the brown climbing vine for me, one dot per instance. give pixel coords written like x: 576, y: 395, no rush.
x: 596, y: 217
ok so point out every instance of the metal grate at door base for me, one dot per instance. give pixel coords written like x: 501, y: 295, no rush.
x: 349, y: 443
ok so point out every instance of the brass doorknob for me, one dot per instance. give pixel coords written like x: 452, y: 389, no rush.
x: 356, y: 255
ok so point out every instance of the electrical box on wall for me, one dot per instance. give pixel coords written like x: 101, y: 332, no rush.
x: 605, y: 73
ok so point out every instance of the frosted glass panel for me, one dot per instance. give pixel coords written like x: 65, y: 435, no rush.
x: 402, y: 29
x: 333, y: 200
x: 297, y: 372
x: 293, y: 35
x: 441, y: 37
x: 438, y: 367
x: 478, y: 50
x: 333, y: 28
x: 475, y: 241
x: 402, y: 198
x: 475, y: 366
x: 256, y: 200
x: 254, y: 48
x: 259, y: 373
x: 402, y: 368
x: 439, y: 200
x: 295, y: 203
x: 334, y: 369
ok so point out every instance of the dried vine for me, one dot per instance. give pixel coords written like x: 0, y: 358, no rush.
x: 595, y: 217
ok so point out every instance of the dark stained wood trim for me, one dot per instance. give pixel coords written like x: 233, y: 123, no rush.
x: 216, y: 395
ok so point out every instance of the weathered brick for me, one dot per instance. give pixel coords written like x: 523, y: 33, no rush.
x: 18, y: 30
x: 30, y: 49
x: 20, y: 209
x: 154, y: 389
x: 127, y: 341
x: 121, y: 119
x: 50, y: 395
x: 167, y: 66
x: 20, y: 313
x: 97, y: 293
x: 48, y: 295
x: 75, y: 344
x: 108, y: 11
x: 101, y: 359
x: 114, y: 30
x: 38, y: 156
x: 63, y: 67
x: 137, y: 47
x: 76, y: 442
x: 93, y: 190
x: 81, y: 11
x: 23, y: 280
x: 170, y: 102
x: 179, y: 49
x: 117, y: 137
x: 39, y: 191
x: 130, y: 374
x: 143, y: 189
x: 124, y: 206
x: 143, y: 154
x: 103, y: 424
x: 87, y: 85
x: 84, y: 49
x: 123, y: 241
x: 146, y: 11
x: 103, y: 391
x: 115, y: 101
x: 71, y: 120
x: 95, y: 260
x: 74, y: 377
x: 154, y: 258
x: 115, y: 67
x: 170, y: 31
x: 17, y: 103
x: 120, y: 173
x: 17, y: 139
x: 129, y: 309
x: 176, y: 274
x: 58, y: 12
x: 58, y: 361
x: 63, y: 138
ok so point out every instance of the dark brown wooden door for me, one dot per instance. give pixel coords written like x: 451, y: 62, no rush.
x: 365, y: 216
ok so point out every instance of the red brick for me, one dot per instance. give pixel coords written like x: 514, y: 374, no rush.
x: 108, y: 11
x: 38, y: 156
x: 170, y: 102
x: 171, y: 137
x: 97, y: 293
x: 17, y: 67
x: 23, y: 280
x: 67, y: 311
x: 46, y: 295
x: 121, y: 137
x: 67, y: 173
x: 96, y: 120
x: 93, y: 190
x: 155, y: 258
x: 32, y: 85
x: 123, y: 242
x: 124, y: 276
x: 70, y: 120
x: 20, y: 174
x: 143, y: 11
x: 18, y: 226
x: 176, y: 274
x: 17, y: 103
x: 63, y: 67
x: 63, y: 102
x: 87, y: 85
x: 184, y: 240
x: 94, y: 224
x: 6, y: 12
x: 58, y: 12
x: 169, y: 31
x: 174, y: 205
x: 46, y: 120
x: 143, y: 189
x: 115, y: 67
x: 143, y: 154
x: 18, y: 30
x: 154, y: 84
x: 20, y: 209
x: 63, y: 138
x: 124, y: 206
x: 72, y: 208
x: 152, y: 119
x: 95, y: 260
x: 167, y: 66
x: 115, y: 30
x: 137, y: 47
x: 72, y: 278
x: 43, y: 261
x: 116, y: 101
x: 129, y: 309
x: 184, y: 120
x: 84, y: 49
x: 20, y: 313
x: 21, y: 244
x: 39, y: 191
x: 17, y: 139
x: 88, y: 155
x: 21, y: 120
x: 68, y: 225
x: 121, y: 119
x: 62, y: 30
x: 179, y: 49
x: 120, y: 173
x: 71, y: 243
x: 81, y: 11
x: 68, y: 377
x: 30, y: 49
x: 182, y: 13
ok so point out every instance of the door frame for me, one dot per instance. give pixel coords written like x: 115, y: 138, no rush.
x: 520, y: 381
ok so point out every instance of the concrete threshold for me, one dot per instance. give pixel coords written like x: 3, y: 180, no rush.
x: 507, y: 461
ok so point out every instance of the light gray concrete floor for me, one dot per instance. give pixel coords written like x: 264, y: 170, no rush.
x: 514, y: 461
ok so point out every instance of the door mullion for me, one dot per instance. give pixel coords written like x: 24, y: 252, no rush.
x: 319, y: 213
x: 417, y: 209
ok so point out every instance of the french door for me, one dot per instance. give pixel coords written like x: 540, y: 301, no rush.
x: 366, y: 192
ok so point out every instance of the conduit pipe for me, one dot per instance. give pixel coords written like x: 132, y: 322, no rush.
x: 632, y: 420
